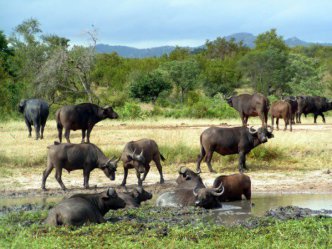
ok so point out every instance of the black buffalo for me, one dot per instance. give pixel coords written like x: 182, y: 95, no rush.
x: 134, y: 198
x: 35, y: 113
x: 227, y: 141
x: 250, y: 106
x: 316, y: 105
x: 81, y: 117
x: 138, y: 155
x: 81, y: 209
x: 77, y: 156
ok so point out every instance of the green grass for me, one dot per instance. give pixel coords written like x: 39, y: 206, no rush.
x: 24, y: 230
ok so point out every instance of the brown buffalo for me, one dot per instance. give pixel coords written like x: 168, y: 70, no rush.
x: 189, y: 179
x: 138, y: 155
x: 281, y: 109
x: 235, y: 186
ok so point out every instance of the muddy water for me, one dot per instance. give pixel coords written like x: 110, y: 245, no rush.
x: 230, y: 213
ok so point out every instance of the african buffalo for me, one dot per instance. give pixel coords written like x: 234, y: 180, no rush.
x: 281, y: 109
x: 294, y: 105
x: 250, y: 106
x: 35, y: 113
x: 227, y: 141
x: 235, y: 186
x: 200, y: 197
x: 81, y: 117
x: 135, y: 197
x: 189, y: 179
x: 80, y: 209
x: 316, y: 105
x: 138, y: 155
x: 77, y: 156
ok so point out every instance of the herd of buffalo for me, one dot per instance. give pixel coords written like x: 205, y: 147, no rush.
x: 190, y: 189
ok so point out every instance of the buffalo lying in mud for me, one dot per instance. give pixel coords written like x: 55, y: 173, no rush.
x: 235, y: 186
x: 35, y: 113
x: 281, y: 109
x: 84, y: 208
x: 77, y: 156
x: 189, y: 179
x: 250, y: 106
x: 316, y: 105
x: 227, y: 141
x: 138, y: 155
x: 81, y: 117
x: 134, y: 198
x: 200, y: 197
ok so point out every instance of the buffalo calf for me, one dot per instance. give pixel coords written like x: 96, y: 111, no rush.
x: 134, y: 198
x: 281, y: 109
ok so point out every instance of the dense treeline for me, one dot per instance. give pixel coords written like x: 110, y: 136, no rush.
x: 184, y: 83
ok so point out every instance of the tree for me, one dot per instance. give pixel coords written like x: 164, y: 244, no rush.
x: 184, y: 74
x: 148, y: 86
x: 266, y: 65
x: 179, y: 54
x: 220, y: 77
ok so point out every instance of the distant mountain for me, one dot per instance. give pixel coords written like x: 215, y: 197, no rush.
x: 131, y: 52
x: 247, y: 38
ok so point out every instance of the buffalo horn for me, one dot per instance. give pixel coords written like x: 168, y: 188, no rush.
x: 269, y: 128
x: 194, y: 192
x: 110, y: 192
x: 214, y: 190
x: 182, y: 170
x: 252, y: 130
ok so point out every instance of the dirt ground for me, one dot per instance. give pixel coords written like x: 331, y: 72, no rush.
x: 314, y: 181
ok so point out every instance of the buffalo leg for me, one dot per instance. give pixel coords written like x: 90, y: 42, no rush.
x: 272, y: 121
x: 247, y: 194
x: 246, y: 120
x: 208, y: 161
x: 29, y: 127
x: 277, y: 123
x: 265, y: 118
x: 322, y: 114
x: 46, y: 173
x: 37, y: 129
x: 58, y: 174
x: 83, y: 135
x: 86, y: 175
x: 42, y: 131
x: 125, y: 174
x: 88, y: 135
x: 147, y: 169
x: 286, y: 122
x: 60, y: 128
x: 160, y: 169
x: 67, y: 134
x: 242, y: 162
x: 199, y: 160
x: 140, y: 181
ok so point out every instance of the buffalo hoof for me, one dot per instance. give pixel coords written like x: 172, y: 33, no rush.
x: 162, y: 181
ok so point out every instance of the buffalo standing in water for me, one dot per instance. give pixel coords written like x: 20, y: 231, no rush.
x: 84, y: 208
x: 81, y: 117
x: 35, y: 113
x: 227, y: 141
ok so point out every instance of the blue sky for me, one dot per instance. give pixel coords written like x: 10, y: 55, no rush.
x: 149, y: 23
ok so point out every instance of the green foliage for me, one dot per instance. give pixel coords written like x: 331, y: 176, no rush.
x: 130, y: 110
x: 148, y: 86
x: 222, y: 49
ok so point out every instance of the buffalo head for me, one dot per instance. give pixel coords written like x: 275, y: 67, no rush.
x: 111, y: 200
x: 229, y: 101
x: 137, y: 161
x: 208, y: 197
x: 109, y: 168
x: 21, y: 106
x: 141, y: 194
x: 108, y: 112
x: 262, y: 134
